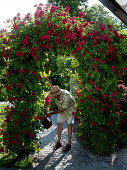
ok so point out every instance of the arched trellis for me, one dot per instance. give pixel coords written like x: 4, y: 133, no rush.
x: 26, y: 53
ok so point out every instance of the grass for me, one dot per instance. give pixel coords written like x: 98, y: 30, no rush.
x: 9, y: 161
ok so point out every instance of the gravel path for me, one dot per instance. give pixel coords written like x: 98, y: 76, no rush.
x: 78, y: 158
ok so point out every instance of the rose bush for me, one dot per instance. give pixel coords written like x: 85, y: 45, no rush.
x: 98, y: 61
x: 99, y: 67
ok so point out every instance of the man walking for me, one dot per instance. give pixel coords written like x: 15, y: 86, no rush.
x: 66, y: 104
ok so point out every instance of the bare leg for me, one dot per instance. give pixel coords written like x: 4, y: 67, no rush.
x: 59, y: 131
x: 69, y: 133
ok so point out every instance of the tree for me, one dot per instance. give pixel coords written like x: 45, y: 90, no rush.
x: 99, y: 13
x: 74, y: 5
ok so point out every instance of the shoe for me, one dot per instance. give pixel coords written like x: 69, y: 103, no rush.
x: 67, y: 147
x: 57, y: 145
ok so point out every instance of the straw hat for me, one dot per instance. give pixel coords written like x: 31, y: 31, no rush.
x: 55, y: 91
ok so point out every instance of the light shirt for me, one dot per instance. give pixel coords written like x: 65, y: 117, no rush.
x: 66, y: 101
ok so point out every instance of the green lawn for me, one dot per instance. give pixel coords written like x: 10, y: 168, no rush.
x: 7, y: 160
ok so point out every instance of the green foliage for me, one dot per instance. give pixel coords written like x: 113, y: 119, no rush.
x: 1, y: 58
x: 94, y: 13
x: 74, y: 5
x: 124, y: 32
x: 10, y: 161
x: 3, y: 94
x: 26, y: 80
x: 99, y: 13
x: 61, y: 72
x: 99, y: 70
x: 102, y: 144
x: 28, y: 54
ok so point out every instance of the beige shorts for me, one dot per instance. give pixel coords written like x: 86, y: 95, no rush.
x: 61, y: 119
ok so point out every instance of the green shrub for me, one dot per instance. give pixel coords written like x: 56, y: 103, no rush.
x: 2, y: 95
x: 102, y: 143
x: 10, y: 161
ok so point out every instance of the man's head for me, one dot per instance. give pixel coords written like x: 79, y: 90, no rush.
x: 55, y: 92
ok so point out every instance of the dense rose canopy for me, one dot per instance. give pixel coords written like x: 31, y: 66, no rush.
x: 26, y: 54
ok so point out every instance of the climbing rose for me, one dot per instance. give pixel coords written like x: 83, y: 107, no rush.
x: 31, y: 101
x: 101, y: 62
x: 101, y: 109
x: 47, y: 98
x: 81, y: 101
x: 104, y: 36
x: 19, y: 85
x: 82, y: 83
x: 109, y: 26
x: 36, y: 118
x: 36, y: 22
x: 50, y: 24
x: 97, y: 88
x: 104, y: 95
x: 16, y: 135
x: 55, y: 26
x: 64, y: 21
x: 93, y: 123
x: 34, y: 73
x: 93, y: 100
x: 1, y: 149
x: 104, y: 129
x: 53, y: 9
x: 47, y: 102
x: 87, y: 97
x: 91, y: 82
x: 95, y: 59
x: 113, y: 68
x: 110, y: 122
x: 80, y: 14
x: 94, y: 66
x: 67, y: 8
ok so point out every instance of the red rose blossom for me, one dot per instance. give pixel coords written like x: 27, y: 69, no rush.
x: 91, y: 82
x: 82, y: 83
x: 1, y: 150
x: 81, y: 101
x: 94, y: 66
x: 97, y: 88
x: 19, y: 85
x: 104, y: 129
x: 80, y: 15
x: 34, y: 73
x: 113, y: 68
x: 101, y: 109
x: 87, y: 97
x: 31, y: 101
x: 105, y: 95
x: 93, y: 100
x: 93, y: 123
x: 101, y: 62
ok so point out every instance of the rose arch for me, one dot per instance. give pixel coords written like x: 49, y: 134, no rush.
x: 98, y: 61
